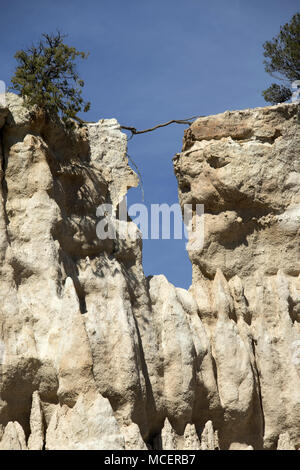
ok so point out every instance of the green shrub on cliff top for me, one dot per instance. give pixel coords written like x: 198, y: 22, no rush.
x: 282, y: 57
x: 47, y: 77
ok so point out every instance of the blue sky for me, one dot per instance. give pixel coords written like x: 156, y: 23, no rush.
x: 152, y: 61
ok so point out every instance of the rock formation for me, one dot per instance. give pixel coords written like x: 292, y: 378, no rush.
x: 244, y: 166
x: 94, y: 355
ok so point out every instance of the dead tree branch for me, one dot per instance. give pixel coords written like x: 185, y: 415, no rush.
x: 134, y: 131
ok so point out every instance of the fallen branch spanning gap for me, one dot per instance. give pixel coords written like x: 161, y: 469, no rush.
x: 134, y: 132
x: 173, y: 121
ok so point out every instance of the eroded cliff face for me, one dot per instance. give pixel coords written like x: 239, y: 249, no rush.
x: 244, y: 166
x: 96, y: 356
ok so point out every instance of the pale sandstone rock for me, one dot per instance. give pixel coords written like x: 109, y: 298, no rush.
x: 209, y: 437
x: 133, y: 438
x: 170, y: 440
x: 191, y: 439
x: 284, y: 442
x: 213, y: 367
x: 90, y: 424
x: 248, y: 183
x: 13, y: 437
x: 108, y: 149
x: 244, y: 167
x: 36, y: 438
x: 168, y: 437
x: 177, y: 351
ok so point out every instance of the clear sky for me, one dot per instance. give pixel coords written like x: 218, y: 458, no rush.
x: 152, y: 61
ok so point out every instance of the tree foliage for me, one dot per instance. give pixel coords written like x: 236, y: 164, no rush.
x: 277, y: 94
x: 47, y: 77
x: 282, y: 60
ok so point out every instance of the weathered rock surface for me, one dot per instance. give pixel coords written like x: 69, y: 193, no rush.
x: 96, y: 356
x: 244, y: 167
